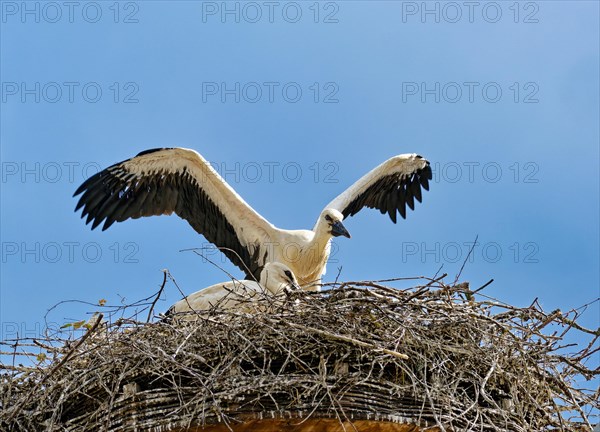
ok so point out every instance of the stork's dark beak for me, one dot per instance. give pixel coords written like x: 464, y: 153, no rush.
x: 291, y: 288
x: 338, y: 229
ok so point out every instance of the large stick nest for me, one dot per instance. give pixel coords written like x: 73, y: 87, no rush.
x: 435, y: 356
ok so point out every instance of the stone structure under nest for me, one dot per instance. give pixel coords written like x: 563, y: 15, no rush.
x: 360, y: 356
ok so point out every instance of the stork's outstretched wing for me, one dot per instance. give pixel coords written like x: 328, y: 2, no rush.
x: 389, y: 187
x: 163, y: 181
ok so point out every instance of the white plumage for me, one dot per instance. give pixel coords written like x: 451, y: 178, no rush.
x: 163, y: 181
x: 275, y: 278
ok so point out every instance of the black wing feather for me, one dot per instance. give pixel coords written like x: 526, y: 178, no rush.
x: 409, y: 197
x: 115, y: 195
x: 392, y: 193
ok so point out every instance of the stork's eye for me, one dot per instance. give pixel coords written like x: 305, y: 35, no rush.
x: 328, y: 218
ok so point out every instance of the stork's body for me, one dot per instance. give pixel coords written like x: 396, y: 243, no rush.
x: 275, y: 278
x: 181, y: 181
x: 305, y: 252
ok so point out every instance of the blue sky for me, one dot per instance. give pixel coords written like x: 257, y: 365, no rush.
x: 293, y: 104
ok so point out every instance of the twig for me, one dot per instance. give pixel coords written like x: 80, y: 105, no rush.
x: 466, y: 259
x: 483, y: 286
x: 162, y: 287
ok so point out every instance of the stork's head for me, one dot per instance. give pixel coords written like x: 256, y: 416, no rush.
x: 332, y: 219
x: 277, y: 277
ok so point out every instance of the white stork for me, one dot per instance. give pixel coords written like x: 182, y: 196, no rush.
x: 163, y: 181
x: 275, y: 278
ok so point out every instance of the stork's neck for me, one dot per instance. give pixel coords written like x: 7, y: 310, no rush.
x: 273, y: 287
x: 267, y: 281
x: 322, y: 232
